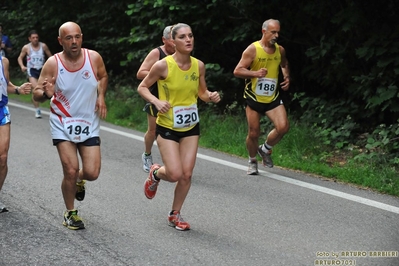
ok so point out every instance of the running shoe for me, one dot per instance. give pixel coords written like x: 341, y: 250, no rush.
x: 252, y: 168
x: 147, y: 162
x: 175, y: 220
x: 72, y: 220
x: 266, y: 157
x: 3, y: 208
x: 80, y: 190
x: 150, y: 184
x: 38, y: 114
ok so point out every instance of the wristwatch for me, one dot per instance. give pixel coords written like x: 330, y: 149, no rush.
x: 45, y: 95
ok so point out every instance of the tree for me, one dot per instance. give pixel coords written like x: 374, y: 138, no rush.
x: 344, y: 54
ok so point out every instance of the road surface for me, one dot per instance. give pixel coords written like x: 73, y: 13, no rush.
x: 277, y: 218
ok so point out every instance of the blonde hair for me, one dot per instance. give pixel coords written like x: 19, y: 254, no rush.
x: 176, y: 27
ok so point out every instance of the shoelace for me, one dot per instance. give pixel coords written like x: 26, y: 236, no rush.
x: 178, y: 218
x: 153, y: 185
x: 148, y: 160
x: 253, y: 166
x: 80, y: 185
x: 74, y: 217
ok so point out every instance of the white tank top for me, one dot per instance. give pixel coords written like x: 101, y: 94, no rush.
x: 75, y: 97
x: 35, y: 59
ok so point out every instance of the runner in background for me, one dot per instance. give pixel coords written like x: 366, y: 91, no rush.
x: 156, y: 54
x: 35, y: 53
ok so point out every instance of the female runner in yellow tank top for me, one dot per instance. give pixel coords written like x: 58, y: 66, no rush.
x: 181, y: 80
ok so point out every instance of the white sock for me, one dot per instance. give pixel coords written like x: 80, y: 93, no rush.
x: 266, y: 147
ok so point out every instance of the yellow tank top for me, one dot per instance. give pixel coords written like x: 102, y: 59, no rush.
x: 264, y: 90
x: 180, y: 89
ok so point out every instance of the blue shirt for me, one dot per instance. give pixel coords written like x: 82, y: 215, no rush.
x: 7, y: 42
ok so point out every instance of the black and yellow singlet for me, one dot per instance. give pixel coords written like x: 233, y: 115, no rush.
x: 180, y: 89
x: 264, y: 90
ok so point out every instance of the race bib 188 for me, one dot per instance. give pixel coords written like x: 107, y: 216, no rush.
x: 266, y: 86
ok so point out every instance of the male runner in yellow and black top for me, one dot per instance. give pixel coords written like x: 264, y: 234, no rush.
x: 259, y: 66
x: 156, y: 54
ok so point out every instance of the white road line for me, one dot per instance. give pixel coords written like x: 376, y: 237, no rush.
x: 325, y: 190
x: 285, y: 179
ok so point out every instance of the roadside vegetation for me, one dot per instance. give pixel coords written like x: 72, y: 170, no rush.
x: 303, y: 148
x: 343, y: 101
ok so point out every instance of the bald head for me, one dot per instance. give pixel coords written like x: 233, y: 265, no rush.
x: 70, y: 38
x: 67, y: 27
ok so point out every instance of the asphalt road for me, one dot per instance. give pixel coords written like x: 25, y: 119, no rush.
x: 277, y: 218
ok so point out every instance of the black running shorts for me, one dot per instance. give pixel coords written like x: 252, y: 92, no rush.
x: 170, y: 134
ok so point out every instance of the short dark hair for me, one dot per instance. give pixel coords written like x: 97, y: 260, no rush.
x: 32, y: 32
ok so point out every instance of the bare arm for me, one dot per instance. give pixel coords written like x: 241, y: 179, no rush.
x: 203, y: 92
x: 158, y: 71
x: 47, y: 50
x: 11, y: 88
x: 46, y: 81
x: 24, y: 52
x: 148, y: 62
x: 242, y: 68
x: 102, y: 77
x: 285, y: 70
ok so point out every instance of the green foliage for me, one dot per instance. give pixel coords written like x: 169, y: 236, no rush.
x: 302, y: 148
x: 124, y: 104
x: 344, y: 55
x: 222, y: 30
x: 223, y: 132
x: 102, y: 24
x: 361, y: 78
x: 382, y: 146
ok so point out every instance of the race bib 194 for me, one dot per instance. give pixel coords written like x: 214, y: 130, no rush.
x: 77, y: 129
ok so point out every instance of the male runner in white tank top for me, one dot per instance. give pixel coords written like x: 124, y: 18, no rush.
x: 75, y: 80
x: 35, y: 53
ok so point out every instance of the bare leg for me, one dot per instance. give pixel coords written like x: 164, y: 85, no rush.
x: 179, y: 161
x: 4, y: 147
x: 149, y: 136
x: 91, y: 164
x: 70, y: 166
x: 252, y: 139
x: 278, y: 116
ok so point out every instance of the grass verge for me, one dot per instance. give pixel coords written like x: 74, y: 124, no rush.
x: 299, y: 150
